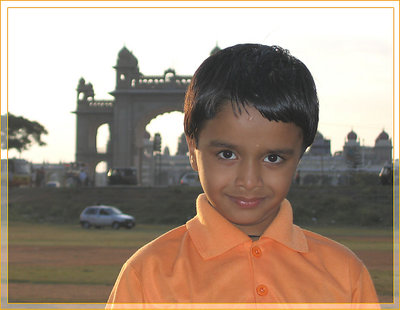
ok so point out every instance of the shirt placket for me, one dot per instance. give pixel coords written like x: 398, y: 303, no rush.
x: 261, y: 285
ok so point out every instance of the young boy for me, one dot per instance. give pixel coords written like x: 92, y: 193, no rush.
x: 250, y: 113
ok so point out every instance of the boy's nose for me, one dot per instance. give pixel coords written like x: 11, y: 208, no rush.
x: 249, y: 175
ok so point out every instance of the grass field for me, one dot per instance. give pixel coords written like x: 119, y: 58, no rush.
x: 64, y: 263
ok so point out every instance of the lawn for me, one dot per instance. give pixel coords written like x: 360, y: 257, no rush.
x: 64, y: 263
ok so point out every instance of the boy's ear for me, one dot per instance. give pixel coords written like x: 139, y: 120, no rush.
x: 192, y: 154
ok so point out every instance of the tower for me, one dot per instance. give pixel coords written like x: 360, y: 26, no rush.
x: 383, y: 148
x: 320, y: 146
x: 352, y: 150
x: 127, y: 69
x: 90, y: 115
x: 137, y: 100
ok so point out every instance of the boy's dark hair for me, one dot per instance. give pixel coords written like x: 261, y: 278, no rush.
x: 277, y: 84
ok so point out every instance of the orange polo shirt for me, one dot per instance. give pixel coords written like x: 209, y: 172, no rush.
x: 209, y: 260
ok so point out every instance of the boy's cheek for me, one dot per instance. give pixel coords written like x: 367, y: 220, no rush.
x: 282, y: 181
x: 213, y: 173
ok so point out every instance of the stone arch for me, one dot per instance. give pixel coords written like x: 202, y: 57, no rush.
x: 169, y: 75
x: 137, y: 100
x: 140, y: 130
x: 140, y: 127
x: 170, y: 126
x: 101, y: 169
x: 103, y: 136
x: 89, y: 119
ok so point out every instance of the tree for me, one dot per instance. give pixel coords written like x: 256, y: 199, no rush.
x: 182, y: 145
x: 22, y: 133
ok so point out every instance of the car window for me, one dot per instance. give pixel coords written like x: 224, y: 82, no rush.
x: 105, y: 212
x: 90, y: 211
x: 114, y: 211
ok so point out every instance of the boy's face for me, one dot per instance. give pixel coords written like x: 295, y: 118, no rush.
x: 246, y: 165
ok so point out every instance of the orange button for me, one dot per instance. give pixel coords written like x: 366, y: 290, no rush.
x: 262, y: 290
x: 256, y: 251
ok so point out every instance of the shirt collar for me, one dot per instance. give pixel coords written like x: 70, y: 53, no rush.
x: 284, y: 231
x: 213, y: 235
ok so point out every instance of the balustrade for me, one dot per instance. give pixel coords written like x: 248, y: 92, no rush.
x: 161, y: 82
x: 101, y: 103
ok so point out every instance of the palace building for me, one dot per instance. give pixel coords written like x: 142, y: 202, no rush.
x: 318, y: 160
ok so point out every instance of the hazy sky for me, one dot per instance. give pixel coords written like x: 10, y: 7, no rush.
x: 348, y: 50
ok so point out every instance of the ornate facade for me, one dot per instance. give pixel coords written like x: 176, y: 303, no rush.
x: 137, y: 100
x: 318, y: 161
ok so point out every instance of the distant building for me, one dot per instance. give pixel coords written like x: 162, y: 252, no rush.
x: 382, y: 150
x: 320, y: 146
x: 161, y: 169
x: 318, y: 165
x: 215, y: 49
x: 352, y: 150
x: 138, y: 98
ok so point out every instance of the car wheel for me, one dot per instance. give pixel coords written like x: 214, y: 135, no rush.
x: 115, y: 225
x: 85, y: 225
x: 130, y: 225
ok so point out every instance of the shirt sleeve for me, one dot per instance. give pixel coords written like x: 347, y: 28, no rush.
x: 127, y: 289
x: 364, y: 290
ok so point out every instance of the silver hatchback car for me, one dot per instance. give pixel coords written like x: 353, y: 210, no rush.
x: 101, y: 216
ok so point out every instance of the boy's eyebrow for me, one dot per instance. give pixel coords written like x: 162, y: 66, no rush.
x: 284, y: 151
x: 216, y: 143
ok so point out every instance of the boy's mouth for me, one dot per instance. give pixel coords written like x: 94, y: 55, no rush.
x: 247, y: 202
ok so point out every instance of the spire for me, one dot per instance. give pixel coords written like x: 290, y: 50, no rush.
x: 215, y: 49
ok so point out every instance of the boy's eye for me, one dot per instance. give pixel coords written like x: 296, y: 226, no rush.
x: 227, y: 155
x: 273, y: 158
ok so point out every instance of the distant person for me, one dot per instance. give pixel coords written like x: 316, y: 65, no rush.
x: 33, y: 177
x: 40, y: 177
x: 83, y: 178
x: 250, y: 113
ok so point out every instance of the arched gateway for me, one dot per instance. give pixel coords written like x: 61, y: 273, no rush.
x: 137, y: 100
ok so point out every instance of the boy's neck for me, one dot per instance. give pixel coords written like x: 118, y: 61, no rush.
x: 254, y: 237
x: 256, y: 231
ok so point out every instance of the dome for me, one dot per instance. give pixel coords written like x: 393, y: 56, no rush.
x: 169, y: 70
x: 351, y: 135
x: 382, y: 136
x: 318, y: 136
x: 81, y: 85
x: 215, y: 49
x: 126, y: 58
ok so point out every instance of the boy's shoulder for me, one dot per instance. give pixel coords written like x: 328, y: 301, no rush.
x: 327, y: 247
x: 163, y: 245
